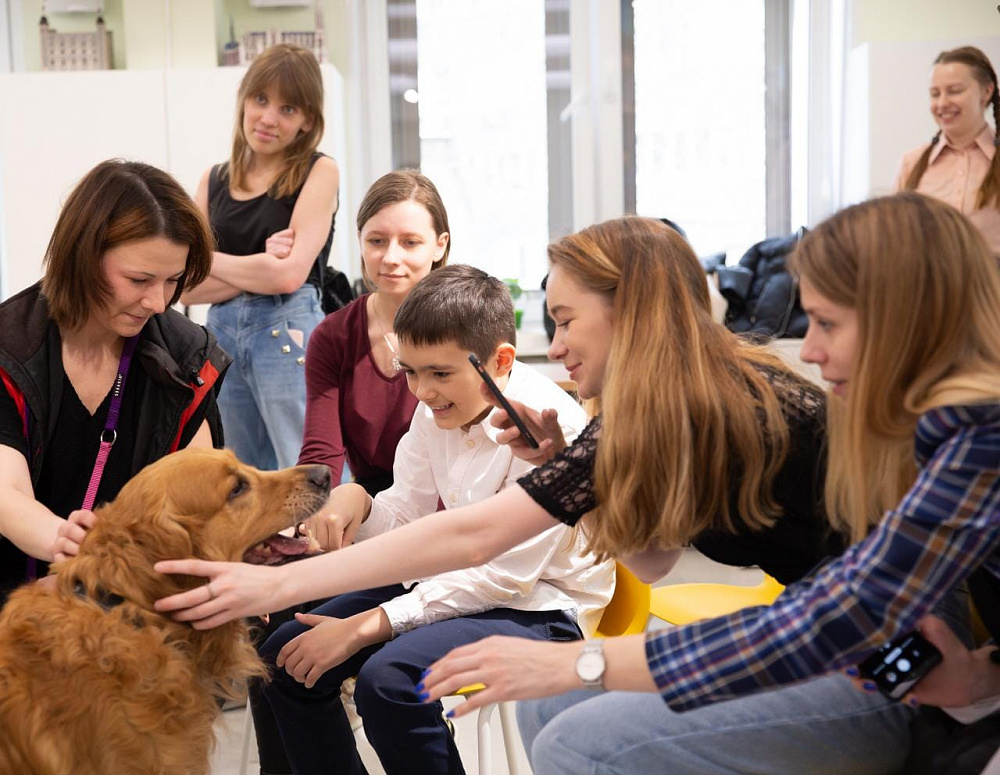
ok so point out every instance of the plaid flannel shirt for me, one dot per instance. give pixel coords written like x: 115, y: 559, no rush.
x: 946, y: 526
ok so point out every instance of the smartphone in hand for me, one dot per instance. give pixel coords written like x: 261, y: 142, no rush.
x: 899, y: 664
x: 514, y: 416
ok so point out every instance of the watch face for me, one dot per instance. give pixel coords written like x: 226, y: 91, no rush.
x: 590, y: 666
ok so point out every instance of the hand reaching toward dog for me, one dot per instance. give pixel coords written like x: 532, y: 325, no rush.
x: 234, y: 590
x: 337, y: 523
x: 511, y: 669
x: 330, y: 642
x: 71, y: 533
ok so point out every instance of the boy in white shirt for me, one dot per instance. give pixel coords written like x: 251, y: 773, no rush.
x: 546, y: 588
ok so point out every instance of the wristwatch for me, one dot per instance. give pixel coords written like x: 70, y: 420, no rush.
x: 590, y: 664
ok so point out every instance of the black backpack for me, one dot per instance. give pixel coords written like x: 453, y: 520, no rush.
x: 336, y: 291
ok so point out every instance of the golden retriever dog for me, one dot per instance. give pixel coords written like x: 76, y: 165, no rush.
x: 92, y: 680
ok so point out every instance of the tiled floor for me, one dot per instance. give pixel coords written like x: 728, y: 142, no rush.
x: 691, y: 567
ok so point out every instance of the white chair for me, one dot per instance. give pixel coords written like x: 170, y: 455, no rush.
x: 246, y: 741
x: 626, y: 614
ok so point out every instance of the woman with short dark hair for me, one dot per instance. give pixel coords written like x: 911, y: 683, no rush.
x: 99, y: 376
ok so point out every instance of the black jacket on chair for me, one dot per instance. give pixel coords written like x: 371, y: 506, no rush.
x: 763, y: 296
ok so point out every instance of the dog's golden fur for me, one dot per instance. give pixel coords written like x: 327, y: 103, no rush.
x: 88, y: 691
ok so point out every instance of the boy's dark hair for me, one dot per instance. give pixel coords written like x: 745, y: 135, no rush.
x: 460, y: 304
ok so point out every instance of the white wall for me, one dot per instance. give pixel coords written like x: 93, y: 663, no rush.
x: 180, y: 120
x: 884, y: 20
x: 887, y: 108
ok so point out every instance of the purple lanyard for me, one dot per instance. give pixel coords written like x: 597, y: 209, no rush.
x: 109, y: 435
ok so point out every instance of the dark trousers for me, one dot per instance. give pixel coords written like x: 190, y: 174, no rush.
x: 270, y: 749
x: 408, y: 736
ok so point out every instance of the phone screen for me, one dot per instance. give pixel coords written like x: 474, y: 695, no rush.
x: 515, y: 418
x: 899, y: 664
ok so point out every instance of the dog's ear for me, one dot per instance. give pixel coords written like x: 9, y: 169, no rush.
x: 132, y: 533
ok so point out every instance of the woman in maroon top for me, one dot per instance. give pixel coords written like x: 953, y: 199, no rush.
x: 357, y: 404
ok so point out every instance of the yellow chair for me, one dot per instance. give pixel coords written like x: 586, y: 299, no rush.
x: 629, y: 608
x: 685, y: 603
x: 626, y: 614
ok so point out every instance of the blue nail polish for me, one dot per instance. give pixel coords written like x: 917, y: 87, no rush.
x: 420, y: 686
x: 424, y: 672
x: 422, y: 696
x: 869, y: 686
x: 450, y: 714
x: 913, y: 702
x: 852, y: 672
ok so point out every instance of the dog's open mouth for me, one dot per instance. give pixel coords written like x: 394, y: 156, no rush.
x: 279, y: 549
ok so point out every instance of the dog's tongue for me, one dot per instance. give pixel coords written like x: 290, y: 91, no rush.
x: 279, y: 549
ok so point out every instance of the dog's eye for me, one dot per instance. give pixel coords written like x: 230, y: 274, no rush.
x: 238, y: 489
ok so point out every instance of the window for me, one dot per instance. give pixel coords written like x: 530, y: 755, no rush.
x: 482, y: 86
x: 481, y: 96
x: 710, y: 119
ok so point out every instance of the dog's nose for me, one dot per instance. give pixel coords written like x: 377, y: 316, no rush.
x: 319, y: 476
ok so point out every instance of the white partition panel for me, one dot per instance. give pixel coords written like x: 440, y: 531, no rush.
x: 56, y: 126
x: 200, y: 114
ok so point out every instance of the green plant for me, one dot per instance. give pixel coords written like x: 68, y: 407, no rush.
x: 514, y: 287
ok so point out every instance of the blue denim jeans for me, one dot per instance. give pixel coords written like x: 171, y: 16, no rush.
x: 822, y: 727
x: 263, y: 399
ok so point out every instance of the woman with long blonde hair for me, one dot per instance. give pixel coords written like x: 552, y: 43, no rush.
x: 703, y: 439
x: 903, y: 297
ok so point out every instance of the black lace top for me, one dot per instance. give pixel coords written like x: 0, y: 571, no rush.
x: 788, y: 550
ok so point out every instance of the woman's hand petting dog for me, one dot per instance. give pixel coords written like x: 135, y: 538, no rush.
x: 71, y: 534
x: 233, y: 591
x: 330, y: 642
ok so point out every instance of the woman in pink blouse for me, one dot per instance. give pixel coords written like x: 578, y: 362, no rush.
x: 960, y: 165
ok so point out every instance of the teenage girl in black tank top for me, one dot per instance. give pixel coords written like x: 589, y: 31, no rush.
x: 271, y: 208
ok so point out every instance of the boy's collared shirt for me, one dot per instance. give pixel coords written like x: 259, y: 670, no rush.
x: 548, y: 572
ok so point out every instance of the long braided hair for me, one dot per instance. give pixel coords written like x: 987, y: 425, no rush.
x: 983, y: 72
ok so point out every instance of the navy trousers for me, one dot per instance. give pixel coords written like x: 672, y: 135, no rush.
x: 408, y: 736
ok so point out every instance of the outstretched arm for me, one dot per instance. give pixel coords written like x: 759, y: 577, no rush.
x: 28, y: 524
x: 448, y: 540
x: 524, y: 669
